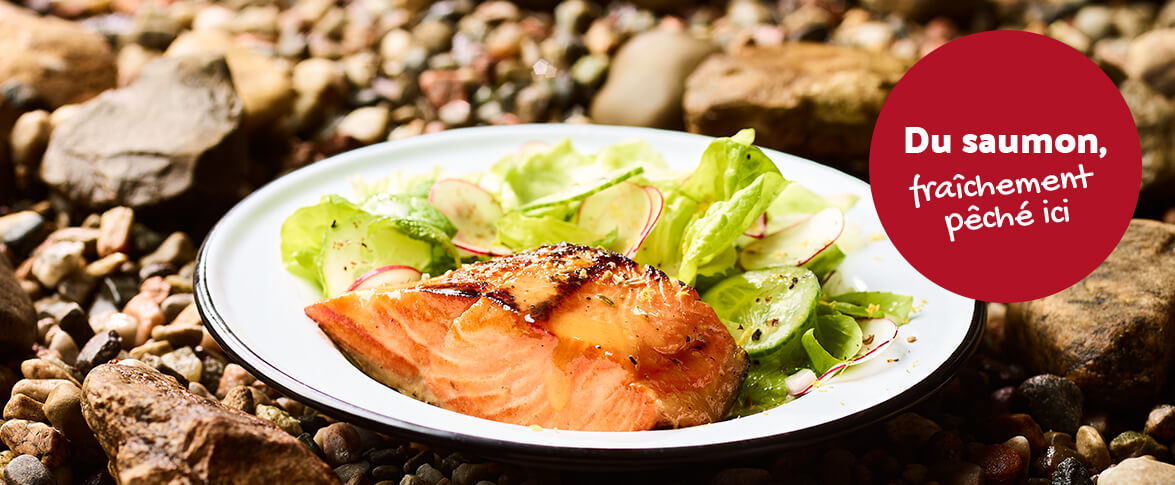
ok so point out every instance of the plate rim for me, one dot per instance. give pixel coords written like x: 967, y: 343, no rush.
x: 551, y: 456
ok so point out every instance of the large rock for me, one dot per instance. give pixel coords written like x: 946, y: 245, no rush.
x: 1151, y: 57
x: 1112, y: 333
x: 172, y: 139
x: 815, y: 100
x: 155, y: 431
x: 263, y: 82
x: 1155, y: 118
x: 18, y: 319
x: 63, y: 61
x: 647, y: 79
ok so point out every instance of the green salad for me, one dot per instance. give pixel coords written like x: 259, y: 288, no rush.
x: 757, y: 247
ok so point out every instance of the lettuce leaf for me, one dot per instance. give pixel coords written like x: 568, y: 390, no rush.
x: 662, y: 248
x: 874, y: 304
x: 302, y: 231
x: 834, y: 339
x: 517, y: 231
x: 724, y: 221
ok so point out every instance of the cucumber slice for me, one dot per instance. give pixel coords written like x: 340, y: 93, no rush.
x: 583, y: 190
x: 768, y: 309
x: 363, y: 243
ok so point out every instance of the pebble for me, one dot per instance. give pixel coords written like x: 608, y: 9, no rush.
x: 233, y: 376
x: 1092, y: 448
x: 99, y: 350
x: 114, y: 231
x: 1131, y: 444
x: 240, y: 398
x: 455, y: 113
x: 433, y: 36
x: 1160, y: 423
x: 179, y: 335
x: 1019, y: 444
x: 185, y: 362
x: 1138, y: 471
x: 37, y: 439
x: 1005, y: 426
x: 279, y: 417
x: 64, y: 345
x: 42, y: 369
x: 388, y: 472
x: 429, y: 474
x: 1063, y: 440
x: 27, y: 141
x: 144, y: 310
x: 1053, y: 401
x: 63, y: 409
x: 366, y: 125
x: 910, y: 430
x: 1071, y: 472
x: 340, y: 442
x: 174, y: 304
x: 27, y: 470
x: 37, y: 389
x: 57, y: 261
x: 470, y: 473
x: 350, y: 470
x: 21, y: 406
x: 176, y: 250
x: 1047, y: 462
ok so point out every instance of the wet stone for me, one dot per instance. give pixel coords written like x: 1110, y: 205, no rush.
x: 1064, y: 440
x: 1071, y: 472
x: 99, y: 350
x: 1053, y: 401
x: 1092, y: 447
x: 1052, y: 457
x: 1131, y: 444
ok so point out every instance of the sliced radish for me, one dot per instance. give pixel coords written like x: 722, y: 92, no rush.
x: 800, y: 382
x: 878, y: 333
x: 627, y: 208
x: 795, y: 245
x: 758, y: 229
x: 384, y: 276
x: 473, y: 210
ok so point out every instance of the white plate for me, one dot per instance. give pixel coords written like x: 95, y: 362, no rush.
x: 254, y: 309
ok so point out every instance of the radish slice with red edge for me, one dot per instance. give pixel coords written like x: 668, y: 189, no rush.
x: 627, y: 208
x: 473, y: 211
x: 797, y: 244
x: 758, y: 229
x: 384, y: 276
x: 878, y: 333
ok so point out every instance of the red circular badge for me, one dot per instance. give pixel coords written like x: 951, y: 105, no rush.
x: 1005, y: 166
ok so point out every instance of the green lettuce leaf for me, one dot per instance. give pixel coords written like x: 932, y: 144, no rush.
x: 517, y: 231
x: 724, y: 221
x: 302, y: 231
x: 834, y: 339
x: 874, y: 304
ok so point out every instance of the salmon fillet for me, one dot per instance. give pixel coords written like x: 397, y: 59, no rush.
x: 564, y: 336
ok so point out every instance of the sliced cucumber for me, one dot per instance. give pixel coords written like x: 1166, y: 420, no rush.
x: 768, y: 309
x: 353, y: 247
x: 582, y: 190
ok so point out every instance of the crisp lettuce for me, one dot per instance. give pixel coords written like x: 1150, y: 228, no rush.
x: 834, y: 339
x: 301, y: 234
x: 874, y: 304
x: 517, y: 231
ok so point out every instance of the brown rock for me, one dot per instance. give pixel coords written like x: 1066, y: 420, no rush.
x: 647, y: 79
x: 233, y: 376
x: 37, y: 439
x: 1155, y: 118
x: 23, y: 407
x: 64, y: 61
x: 155, y: 431
x: 1151, y: 58
x: 1001, y: 465
x: 114, y: 233
x: 1138, y: 471
x: 171, y: 138
x: 815, y: 100
x: 18, y: 318
x: 1113, y: 333
x: 43, y: 369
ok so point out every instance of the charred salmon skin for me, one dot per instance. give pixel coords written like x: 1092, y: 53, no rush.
x: 565, y: 336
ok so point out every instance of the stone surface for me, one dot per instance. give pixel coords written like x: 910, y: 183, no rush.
x: 1071, y: 472
x: 262, y: 82
x: 64, y: 61
x: 646, y: 80
x: 37, y: 439
x: 21, y: 406
x: 18, y: 319
x: 814, y: 100
x: 1160, y: 422
x: 1054, y: 402
x: 114, y: 231
x: 99, y: 350
x: 1138, y: 471
x: 153, y: 430
x: 1132, y: 444
x: 1112, y: 333
x: 63, y: 409
x: 1155, y: 118
x: 172, y: 138
x: 340, y: 442
x: 1092, y: 447
x: 1151, y: 58
x: 27, y: 470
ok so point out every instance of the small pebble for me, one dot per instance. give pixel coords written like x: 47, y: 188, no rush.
x: 21, y: 406
x: 348, y: 471
x: 1047, y: 462
x: 1160, y: 423
x: 429, y: 474
x: 470, y: 473
x: 340, y: 442
x: 1071, y: 472
x: 27, y: 470
x: 387, y: 472
x: 1131, y: 444
x: 1053, y: 401
x: 279, y: 417
x: 1092, y: 448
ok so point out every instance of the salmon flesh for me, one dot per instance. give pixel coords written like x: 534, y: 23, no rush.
x: 565, y: 336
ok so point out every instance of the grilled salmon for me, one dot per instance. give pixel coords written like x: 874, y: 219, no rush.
x: 564, y: 336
